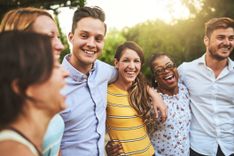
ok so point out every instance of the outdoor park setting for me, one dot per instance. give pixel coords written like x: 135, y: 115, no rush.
x: 117, y: 77
x: 179, y: 33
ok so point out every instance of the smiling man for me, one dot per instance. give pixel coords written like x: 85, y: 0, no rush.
x: 210, y: 80
x: 85, y: 115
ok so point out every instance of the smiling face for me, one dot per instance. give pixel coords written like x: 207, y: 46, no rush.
x: 87, y: 41
x: 166, y: 75
x: 220, y: 43
x: 45, y: 25
x: 128, y: 66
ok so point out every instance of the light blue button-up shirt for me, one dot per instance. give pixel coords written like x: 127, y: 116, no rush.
x: 212, y: 105
x: 85, y: 115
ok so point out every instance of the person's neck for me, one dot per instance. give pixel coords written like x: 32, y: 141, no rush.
x: 171, y: 92
x: 33, y: 126
x: 81, y: 67
x: 216, y: 65
x: 122, y: 85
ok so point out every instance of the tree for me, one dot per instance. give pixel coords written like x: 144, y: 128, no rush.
x: 183, y: 40
x: 113, y: 39
x: 7, y: 5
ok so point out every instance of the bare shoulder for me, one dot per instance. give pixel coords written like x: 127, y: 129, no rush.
x: 12, y: 148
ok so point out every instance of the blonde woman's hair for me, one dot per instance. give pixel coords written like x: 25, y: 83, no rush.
x: 22, y: 19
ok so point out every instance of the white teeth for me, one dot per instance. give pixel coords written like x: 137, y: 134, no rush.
x: 89, y: 52
x: 168, y: 77
x: 226, y: 48
x: 130, y: 72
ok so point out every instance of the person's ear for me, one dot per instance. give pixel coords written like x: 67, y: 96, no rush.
x: 70, y: 36
x: 15, y: 86
x: 29, y: 91
x: 116, y: 63
x: 206, y: 40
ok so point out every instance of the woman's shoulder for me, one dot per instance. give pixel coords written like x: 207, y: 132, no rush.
x: 182, y: 87
x: 19, y: 149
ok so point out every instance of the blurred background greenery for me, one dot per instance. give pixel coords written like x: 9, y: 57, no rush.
x: 182, y: 39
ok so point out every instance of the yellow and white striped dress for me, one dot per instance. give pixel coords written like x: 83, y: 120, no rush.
x: 124, y: 125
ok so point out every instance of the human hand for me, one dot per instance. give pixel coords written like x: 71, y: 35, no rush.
x: 114, y: 148
x: 160, y: 111
x: 160, y: 107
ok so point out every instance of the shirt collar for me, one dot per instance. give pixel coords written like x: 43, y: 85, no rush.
x: 202, y: 60
x: 73, y: 72
x: 230, y: 65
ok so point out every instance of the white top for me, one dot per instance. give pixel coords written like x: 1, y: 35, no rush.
x: 172, y: 136
x: 12, y: 135
x: 212, y: 106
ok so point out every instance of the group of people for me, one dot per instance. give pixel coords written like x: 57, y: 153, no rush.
x: 187, y: 111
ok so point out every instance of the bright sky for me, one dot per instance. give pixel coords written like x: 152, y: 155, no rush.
x: 121, y: 13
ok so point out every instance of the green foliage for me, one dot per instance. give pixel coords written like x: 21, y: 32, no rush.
x: 182, y: 40
x: 113, y: 39
x: 7, y: 5
x: 63, y: 39
x: 157, y: 37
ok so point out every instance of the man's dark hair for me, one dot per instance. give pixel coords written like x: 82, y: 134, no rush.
x: 94, y: 12
x: 217, y: 23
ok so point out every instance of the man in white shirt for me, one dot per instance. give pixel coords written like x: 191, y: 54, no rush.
x: 210, y: 80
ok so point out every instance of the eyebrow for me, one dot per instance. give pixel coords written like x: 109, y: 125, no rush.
x: 130, y: 58
x: 164, y: 65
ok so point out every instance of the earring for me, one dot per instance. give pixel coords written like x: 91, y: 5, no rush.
x: 155, y: 81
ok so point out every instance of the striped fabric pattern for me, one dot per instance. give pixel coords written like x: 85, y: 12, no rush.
x: 124, y: 125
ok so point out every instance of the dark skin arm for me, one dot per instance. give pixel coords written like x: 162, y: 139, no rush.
x: 114, y: 149
x: 159, y: 106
